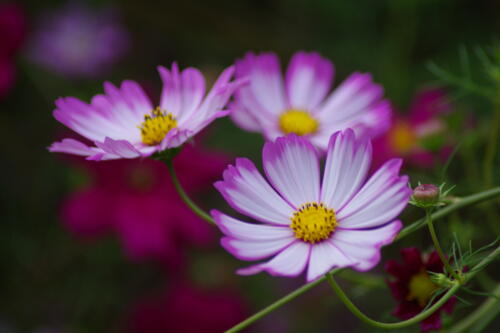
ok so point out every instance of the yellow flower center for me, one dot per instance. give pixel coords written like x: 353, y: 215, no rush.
x: 401, y: 137
x: 313, y: 222
x: 156, y: 126
x: 298, y: 122
x: 421, y: 288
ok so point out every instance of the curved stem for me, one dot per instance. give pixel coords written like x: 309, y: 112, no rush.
x: 414, y: 320
x: 294, y: 294
x: 197, y: 210
x: 439, y: 250
x: 455, y: 285
x: 460, y: 203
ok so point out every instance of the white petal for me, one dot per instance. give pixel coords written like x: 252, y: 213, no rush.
x: 292, y: 166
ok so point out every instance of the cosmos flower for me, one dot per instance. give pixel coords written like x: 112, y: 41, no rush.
x: 342, y: 220
x: 123, y: 123
x: 300, y: 105
x: 420, y: 137
x: 136, y: 201
x: 187, y: 309
x: 12, y: 34
x: 77, y: 41
x: 413, y: 288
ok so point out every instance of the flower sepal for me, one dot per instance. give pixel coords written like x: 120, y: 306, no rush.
x: 430, y: 196
x: 167, y: 155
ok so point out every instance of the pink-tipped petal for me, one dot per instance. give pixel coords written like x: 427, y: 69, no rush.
x: 71, y: 146
x: 171, y: 95
x: 291, y: 165
x: 266, y: 82
x: 357, y: 103
x: 363, y: 246
x: 347, y: 163
x: 254, y: 249
x: 324, y: 257
x: 308, y: 80
x: 247, y: 231
x: 121, y: 148
x: 289, y: 262
x: 381, y: 199
x: 249, y: 193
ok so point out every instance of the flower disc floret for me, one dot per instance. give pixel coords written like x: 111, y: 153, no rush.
x: 298, y: 122
x: 313, y: 222
x: 156, y: 126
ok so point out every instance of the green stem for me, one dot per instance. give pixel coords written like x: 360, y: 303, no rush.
x: 489, y: 307
x: 414, y: 320
x: 439, y: 250
x: 455, y: 285
x: 294, y: 294
x: 460, y: 203
x: 197, y: 210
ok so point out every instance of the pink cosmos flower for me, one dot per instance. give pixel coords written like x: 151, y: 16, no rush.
x: 342, y: 220
x: 123, y: 123
x: 135, y: 200
x: 77, y: 40
x: 188, y: 309
x: 413, y: 288
x: 301, y: 105
x: 420, y: 136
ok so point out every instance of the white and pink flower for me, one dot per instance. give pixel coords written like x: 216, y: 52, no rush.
x: 123, y: 123
x: 302, y: 103
x: 308, y: 223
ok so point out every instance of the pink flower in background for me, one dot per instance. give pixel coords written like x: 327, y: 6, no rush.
x: 413, y: 288
x: 188, y: 309
x: 78, y: 41
x: 419, y: 136
x: 12, y: 34
x: 136, y: 200
x: 123, y: 123
x: 303, y: 104
x: 341, y: 220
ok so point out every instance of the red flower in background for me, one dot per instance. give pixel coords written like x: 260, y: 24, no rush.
x: 419, y: 136
x: 187, y: 309
x: 413, y: 288
x: 12, y: 34
x: 136, y: 200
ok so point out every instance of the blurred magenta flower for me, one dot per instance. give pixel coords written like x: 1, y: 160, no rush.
x: 123, y: 123
x: 420, y: 136
x: 188, y: 309
x: 78, y: 41
x: 12, y: 34
x: 300, y: 105
x: 413, y: 288
x: 340, y: 221
x: 136, y: 200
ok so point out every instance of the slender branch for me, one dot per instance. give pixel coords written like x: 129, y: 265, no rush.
x: 282, y: 301
x: 439, y: 250
x: 197, y: 210
x: 455, y: 285
x: 460, y: 203
x: 421, y: 316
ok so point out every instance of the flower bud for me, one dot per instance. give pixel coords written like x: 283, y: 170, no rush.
x: 426, y: 194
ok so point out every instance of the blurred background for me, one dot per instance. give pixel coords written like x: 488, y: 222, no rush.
x: 109, y: 247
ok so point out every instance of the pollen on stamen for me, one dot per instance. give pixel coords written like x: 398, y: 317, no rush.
x: 156, y: 126
x: 313, y: 222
